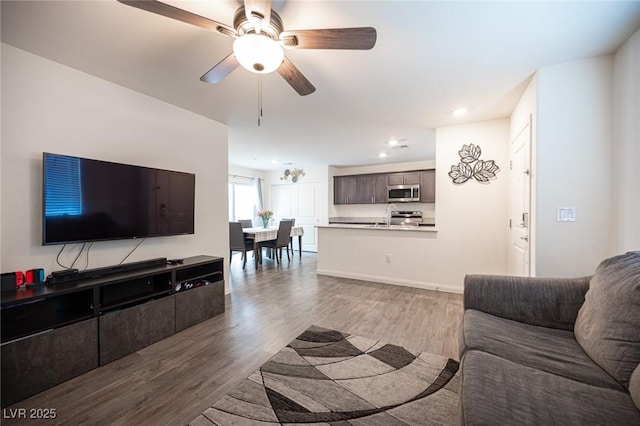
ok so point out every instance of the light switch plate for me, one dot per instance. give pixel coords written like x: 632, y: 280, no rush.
x: 566, y: 214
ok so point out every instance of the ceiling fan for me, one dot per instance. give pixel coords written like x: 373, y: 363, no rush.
x: 260, y: 37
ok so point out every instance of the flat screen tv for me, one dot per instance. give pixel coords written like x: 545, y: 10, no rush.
x: 91, y: 200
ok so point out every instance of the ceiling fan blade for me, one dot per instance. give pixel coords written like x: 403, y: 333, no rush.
x: 221, y: 69
x: 169, y: 11
x: 258, y: 8
x: 294, y: 77
x: 363, y: 38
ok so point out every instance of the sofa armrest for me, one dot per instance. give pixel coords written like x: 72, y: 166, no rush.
x: 546, y: 302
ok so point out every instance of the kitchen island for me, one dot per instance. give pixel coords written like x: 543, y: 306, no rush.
x: 403, y: 255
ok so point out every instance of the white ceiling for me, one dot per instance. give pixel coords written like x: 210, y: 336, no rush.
x: 430, y: 57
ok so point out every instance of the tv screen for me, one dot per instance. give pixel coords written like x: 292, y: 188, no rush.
x: 91, y: 200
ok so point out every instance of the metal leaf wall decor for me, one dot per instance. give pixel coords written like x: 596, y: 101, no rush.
x: 294, y: 174
x: 471, y: 166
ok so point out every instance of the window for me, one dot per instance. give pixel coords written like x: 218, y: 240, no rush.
x: 63, y: 194
x: 242, y: 197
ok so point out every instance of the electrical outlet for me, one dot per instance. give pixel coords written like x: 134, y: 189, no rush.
x: 387, y: 258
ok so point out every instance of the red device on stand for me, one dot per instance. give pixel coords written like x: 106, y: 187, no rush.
x: 34, y: 277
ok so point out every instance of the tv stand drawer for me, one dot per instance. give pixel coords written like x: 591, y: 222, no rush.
x: 199, y: 304
x: 38, y: 362
x: 126, y: 331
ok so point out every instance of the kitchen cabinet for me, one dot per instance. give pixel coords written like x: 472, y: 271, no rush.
x: 374, y: 188
x: 346, y: 190
x: 428, y: 186
x: 404, y: 178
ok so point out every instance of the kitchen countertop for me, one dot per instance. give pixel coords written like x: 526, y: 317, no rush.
x: 410, y: 228
x: 356, y: 220
x: 372, y: 220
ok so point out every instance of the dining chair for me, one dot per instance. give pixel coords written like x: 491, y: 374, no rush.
x: 293, y: 223
x: 246, y: 223
x: 237, y: 242
x: 281, y: 241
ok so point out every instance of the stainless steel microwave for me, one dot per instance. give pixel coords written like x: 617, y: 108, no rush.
x: 403, y: 193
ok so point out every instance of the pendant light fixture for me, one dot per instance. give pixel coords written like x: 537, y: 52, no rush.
x: 258, y: 53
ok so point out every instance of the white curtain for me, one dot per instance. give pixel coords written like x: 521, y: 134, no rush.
x: 257, y: 186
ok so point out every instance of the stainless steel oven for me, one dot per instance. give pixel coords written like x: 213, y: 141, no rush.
x: 406, y: 218
x: 403, y: 193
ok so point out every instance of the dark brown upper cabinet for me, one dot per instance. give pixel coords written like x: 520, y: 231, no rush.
x: 404, y: 178
x: 428, y: 186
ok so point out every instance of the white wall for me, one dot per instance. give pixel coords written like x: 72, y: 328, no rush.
x: 473, y: 218
x: 50, y: 107
x: 574, y: 166
x: 471, y: 222
x: 626, y: 147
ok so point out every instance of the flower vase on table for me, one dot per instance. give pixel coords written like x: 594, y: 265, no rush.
x: 265, y: 215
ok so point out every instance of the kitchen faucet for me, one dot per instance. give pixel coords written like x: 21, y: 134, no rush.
x: 387, y: 219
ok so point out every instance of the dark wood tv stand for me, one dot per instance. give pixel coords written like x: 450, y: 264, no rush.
x: 52, y: 334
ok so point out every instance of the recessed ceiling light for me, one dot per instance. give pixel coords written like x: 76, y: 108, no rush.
x: 393, y: 142
x: 274, y: 161
x: 382, y: 154
x: 459, y: 112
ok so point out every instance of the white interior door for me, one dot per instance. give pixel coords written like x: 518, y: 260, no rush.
x: 309, y: 214
x: 302, y: 202
x: 520, y: 200
x: 281, y: 201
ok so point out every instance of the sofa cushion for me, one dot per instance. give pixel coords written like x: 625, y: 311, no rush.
x: 547, y: 302
x: 608, y: 323
x: 634, y: 386
x: 551, y: 350
x: 497, y: 391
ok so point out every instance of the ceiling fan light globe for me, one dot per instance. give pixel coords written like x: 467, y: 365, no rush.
x: 258, y: 53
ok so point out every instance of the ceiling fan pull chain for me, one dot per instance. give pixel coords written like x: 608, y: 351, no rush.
x: 259, y: 109
x: 259, y: 98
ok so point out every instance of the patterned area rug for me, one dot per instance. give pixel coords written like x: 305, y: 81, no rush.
x: 329, y: 377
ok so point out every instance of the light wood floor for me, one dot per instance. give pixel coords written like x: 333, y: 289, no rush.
x: 174, y: 380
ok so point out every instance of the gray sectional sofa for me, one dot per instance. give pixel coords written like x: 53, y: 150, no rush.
x: 543, y: 351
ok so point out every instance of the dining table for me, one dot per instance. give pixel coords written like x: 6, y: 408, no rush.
x: 259, y: 234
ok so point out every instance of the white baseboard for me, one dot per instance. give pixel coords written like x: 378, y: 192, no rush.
x: 391, y: 280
